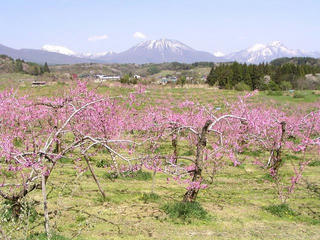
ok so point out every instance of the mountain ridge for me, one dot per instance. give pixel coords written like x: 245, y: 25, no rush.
x: 259, y: 53
x: 41, y: 56
x: 157, y: 51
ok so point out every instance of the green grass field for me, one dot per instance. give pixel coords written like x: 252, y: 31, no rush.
x: 240, y: 203
x: 236, y: 203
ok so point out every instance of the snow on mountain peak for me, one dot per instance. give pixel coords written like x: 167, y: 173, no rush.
x: 57, y: 49
x: 163, y: 44
x: 96, y: 55
x: 66, y: 51
x: 218, y: 54
x: 167, y: 50
x: 264, y: 53
x: 256, y: 47
x: 275, y: 44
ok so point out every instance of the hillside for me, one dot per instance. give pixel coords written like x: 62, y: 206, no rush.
x: 146, y: 71
x: 9, y: 65
x: 297, y: 61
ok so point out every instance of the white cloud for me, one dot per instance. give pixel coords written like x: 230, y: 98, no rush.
x: 97, y: 38
x: 139, y: 35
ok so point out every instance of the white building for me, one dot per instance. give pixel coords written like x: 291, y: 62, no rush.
x: 103, y: 78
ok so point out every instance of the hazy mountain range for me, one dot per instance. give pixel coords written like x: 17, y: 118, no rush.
x: 41, y: 56
x: 156, y: 51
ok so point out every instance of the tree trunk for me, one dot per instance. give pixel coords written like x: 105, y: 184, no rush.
x: 192, y: 193
x: 277, y: 158
x: 175, y: 148
x: 115, y: 163
x: 94, y: 177
x: 174, y: 143
x: 58, y: 147
x: 16, y: 209
x: 16, y: 198
x: 45, y: 207
x: 153, y: 181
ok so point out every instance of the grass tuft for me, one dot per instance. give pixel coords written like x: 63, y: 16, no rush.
x: 281, y: 210
x: 25, y: 210
x: 149, y: 197
x: 314, y: 164
x: 298, y: 95
x: 43, y: 236
x: 138, y: 175
x: 185, y: 211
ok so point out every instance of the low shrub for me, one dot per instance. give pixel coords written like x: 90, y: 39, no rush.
x: 274, y: 93
x: 285, y: 86
x: 298, y: 95
x: 241, y: 86
x: 272, y: 86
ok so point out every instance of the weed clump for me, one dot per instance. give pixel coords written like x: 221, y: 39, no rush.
x: 185, y: 211
x: 141, y: 175
x: 43, y: 236
x: 137, y: 175
x: 298, y: 95
x: 149, y: 197
x: 18, y: 211
x: 101, y: 163
x: 274, y: 93
x: 314, y: 164
x: 281, y: 210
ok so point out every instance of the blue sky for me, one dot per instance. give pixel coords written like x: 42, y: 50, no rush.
x: 102, y: 25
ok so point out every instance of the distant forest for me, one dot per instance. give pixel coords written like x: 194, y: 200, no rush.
x: 280, y: 74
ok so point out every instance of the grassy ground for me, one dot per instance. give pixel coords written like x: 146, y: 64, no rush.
x: 237, y: 202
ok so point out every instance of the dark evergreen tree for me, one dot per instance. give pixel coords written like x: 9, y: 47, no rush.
x: 46, y: 68
x: 228, y: 75
x: 18, y: 66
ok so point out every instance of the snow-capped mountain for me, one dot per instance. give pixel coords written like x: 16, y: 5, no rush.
x: 95, y: 55
x: 159, y: 51
x: 69, y: 52
x: 219, y: 54
x: 259, y: 53
x: 156, y: 51
x: 163, y: 45
x: 41, y: 56
x: 58, y: 49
